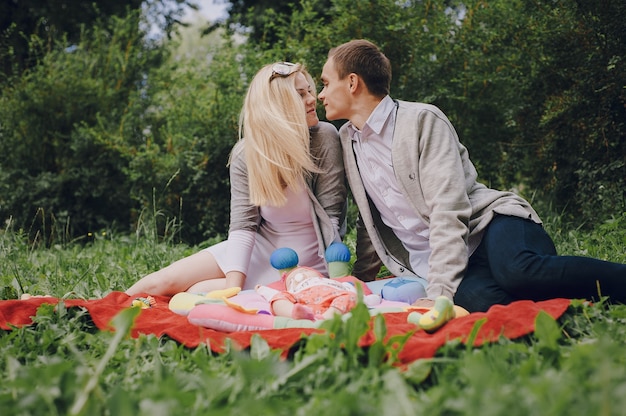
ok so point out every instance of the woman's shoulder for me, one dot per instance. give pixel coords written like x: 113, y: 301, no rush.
x: 238, y: 147
x: 236, y: 154
x: 324, y: 139
x: 324, y: 129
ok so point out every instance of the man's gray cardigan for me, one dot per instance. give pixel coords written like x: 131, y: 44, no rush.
x: 438, y: 180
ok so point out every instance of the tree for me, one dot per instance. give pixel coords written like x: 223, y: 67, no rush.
x: 255, y: 16
x: 189, y: 128
x: 99, y: 129
x: 64, y: 19
x: 574, y: 115
x: 64, y: 125
x: 116, y: 131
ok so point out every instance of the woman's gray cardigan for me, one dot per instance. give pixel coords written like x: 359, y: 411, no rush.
x: 327, y: 189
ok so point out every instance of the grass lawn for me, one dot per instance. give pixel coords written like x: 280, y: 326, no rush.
x: 64, y: 365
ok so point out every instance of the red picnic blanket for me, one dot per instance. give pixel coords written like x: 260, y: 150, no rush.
x: 510, y: 321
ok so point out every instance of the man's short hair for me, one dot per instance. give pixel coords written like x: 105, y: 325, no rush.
x: 365, y: 59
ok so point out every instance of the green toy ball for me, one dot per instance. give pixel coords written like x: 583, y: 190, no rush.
x: 284, y: 259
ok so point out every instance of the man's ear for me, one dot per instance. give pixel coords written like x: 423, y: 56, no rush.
x: 354, y: 81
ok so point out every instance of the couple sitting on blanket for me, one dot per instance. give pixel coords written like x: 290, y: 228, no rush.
x: 422, y: 211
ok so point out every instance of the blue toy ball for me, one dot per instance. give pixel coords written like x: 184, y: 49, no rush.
x: 284, y: 258
x: 400, y: 289
x: 337, y: 252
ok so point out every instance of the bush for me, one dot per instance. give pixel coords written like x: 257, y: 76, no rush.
x: 180, y: 168
x: 65, y: 134
x: 112, y: 129
x: 117, y: 127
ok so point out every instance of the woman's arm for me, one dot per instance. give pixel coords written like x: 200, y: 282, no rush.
x: 244, y: 222
x: 329, y: 186
x: 243, y: 215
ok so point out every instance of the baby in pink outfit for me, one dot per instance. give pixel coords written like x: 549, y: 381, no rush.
x: 310, y: 295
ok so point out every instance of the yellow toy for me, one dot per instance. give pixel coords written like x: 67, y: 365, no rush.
x: 182, y: 303
x: 144, y: 303
x: 437, y: 316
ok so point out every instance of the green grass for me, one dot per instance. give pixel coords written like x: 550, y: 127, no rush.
x: 63, y: 365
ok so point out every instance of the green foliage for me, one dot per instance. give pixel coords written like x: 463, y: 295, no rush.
x: 578, y: 106
x: 82, y: 269
x: 112, y: 126
x: 189, y: 129
x: 20, y: 20
x: 564, y: 367
x: 607, y: 242
x: 66, y: 135
x: 97, y: 136
x: 78, y: 370
x: 118, y: 131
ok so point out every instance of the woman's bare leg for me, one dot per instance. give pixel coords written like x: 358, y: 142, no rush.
x: 181, y: 276
x: 206, y: 286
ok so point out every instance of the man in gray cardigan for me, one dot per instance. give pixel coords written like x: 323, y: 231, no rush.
x: 422, y: 211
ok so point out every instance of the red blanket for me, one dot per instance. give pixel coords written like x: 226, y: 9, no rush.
x: 510, y: 321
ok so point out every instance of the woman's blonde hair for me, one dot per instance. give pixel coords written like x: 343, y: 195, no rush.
x: 275, y: 136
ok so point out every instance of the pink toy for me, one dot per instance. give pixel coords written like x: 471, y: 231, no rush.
x: 226, y: 319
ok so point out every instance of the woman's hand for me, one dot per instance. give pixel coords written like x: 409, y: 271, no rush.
x: 235, y: 279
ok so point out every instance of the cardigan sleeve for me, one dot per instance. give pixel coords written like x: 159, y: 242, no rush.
x: 240, y: 246
x: 437, y: 184
x: 329, y: 185
x: 243, y: 214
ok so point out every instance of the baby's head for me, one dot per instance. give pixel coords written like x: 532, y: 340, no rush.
x: 295, y: 276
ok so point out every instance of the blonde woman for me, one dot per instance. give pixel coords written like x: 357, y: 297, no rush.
x: 287, y: 190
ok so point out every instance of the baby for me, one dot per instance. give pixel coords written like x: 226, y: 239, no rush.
x: 310, y: 295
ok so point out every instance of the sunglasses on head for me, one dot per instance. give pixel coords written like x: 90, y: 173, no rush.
x: 282, y: 69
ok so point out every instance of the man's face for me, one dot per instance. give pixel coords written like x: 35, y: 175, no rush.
x: 336, y: 93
